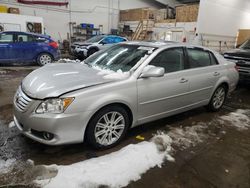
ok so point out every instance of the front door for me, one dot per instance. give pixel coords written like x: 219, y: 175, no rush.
x: 6, y: 43
x: 24, y: 47
x: 159, y: 97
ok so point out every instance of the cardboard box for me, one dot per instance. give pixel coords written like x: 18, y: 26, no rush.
x: 137, y: 14
x: 13, y: 10
x: 3, y: 9
x: 187, y: 13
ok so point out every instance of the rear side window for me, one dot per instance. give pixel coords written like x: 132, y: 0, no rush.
x: 214, y: 61
x: 118, y: 39
x: 171, y: 60
x: 198, y: 58
x: 109, y: 40
x: 4, y: 38
x: 24, y: 38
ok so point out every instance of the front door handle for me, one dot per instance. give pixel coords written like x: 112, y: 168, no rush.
x: 216, y: 74
x: 183, y: 80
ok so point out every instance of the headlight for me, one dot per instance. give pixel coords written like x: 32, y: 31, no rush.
x: 55, y: 106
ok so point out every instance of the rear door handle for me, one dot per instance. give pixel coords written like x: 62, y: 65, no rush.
x: 216, y: 73
x: 183, y: 80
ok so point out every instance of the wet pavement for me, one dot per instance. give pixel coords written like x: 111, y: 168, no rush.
x: 221, y: 160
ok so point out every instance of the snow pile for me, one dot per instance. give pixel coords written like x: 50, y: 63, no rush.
x: 239, y: 119
x: 5, y: 166
x: 109, y: 74
x: 117, y: 75
x: 188, y: 137
x: 113, y: 170
x: 3, y: 72
x: 128, y: 164
x: 68, y: 61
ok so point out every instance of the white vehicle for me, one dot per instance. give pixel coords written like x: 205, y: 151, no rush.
x: 83, y: 50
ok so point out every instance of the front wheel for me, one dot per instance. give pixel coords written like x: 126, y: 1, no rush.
x: 107, y: 127
x: 44, y: 59
x: 217, y: 99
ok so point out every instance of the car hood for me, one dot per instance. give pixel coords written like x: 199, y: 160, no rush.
x: 56, y: 79
x: 83, y: 44
x: 242, y: 53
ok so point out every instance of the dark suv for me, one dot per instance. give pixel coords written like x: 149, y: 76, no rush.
x: 241, y: 56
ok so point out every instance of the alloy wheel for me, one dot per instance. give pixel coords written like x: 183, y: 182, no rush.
x: 109, y: 128
x: 219, y: 97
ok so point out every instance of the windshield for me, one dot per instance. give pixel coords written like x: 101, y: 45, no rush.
x: 95, y: 39
x: 245, y: 45
x: 120, y: 57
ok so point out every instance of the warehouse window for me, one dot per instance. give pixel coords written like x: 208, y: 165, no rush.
x: 198, y: 58
x: 6, y: 38
x: 171, y: 60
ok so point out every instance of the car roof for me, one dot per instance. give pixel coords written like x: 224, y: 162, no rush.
x: 153, y: 44
x: 164, y: 44
x: 28, y: 33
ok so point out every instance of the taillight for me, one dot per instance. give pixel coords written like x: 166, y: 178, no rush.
x: 236, y: 68
x: 53, y: 44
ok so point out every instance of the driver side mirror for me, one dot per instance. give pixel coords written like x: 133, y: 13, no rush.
x: 152, y: 71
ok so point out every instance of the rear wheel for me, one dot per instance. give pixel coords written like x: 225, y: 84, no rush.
x: 107, y: 127
x: 217, y: 99
x: 44, y: 59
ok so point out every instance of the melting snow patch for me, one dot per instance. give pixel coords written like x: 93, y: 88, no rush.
x: 239, y: 119
x: 114, y: 170
x: 12, y: 124
x: 5, y: 166
x: 68, y: 61
x: 187, y: 137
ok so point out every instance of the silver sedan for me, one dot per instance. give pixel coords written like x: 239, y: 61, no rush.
x: 113, y: 90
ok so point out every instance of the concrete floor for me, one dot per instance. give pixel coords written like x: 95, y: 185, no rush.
x: 222, y: 161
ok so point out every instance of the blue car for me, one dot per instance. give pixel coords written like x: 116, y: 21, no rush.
x: 23, y: 47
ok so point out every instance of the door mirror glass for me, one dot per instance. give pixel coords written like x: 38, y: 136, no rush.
x: 152, y: 71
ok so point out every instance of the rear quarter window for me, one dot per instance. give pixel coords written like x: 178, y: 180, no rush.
x: 40, y: 39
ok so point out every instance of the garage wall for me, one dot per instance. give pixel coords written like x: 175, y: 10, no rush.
x: 98, y: 12
x: 223, y: 17
x: 9, y: 21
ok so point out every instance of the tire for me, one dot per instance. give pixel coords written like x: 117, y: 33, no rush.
x: 101, y: 133
x: 218, y: 99
x: 92, y: 51
x: 44, y: 59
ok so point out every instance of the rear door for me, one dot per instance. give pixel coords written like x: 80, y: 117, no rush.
x: 204, y: 74
x: 6, y: 44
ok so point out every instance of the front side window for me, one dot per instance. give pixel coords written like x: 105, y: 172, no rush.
x: 95, y: 39
x: 171, y: 60
x: 119, y: 57
x: 6, y: 38
x: 198, y: 58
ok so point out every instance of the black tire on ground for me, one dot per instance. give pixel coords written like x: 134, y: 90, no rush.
x: 218, y: 99
x: 92, y: 51
x: 97, y: 125
x: 44, y: 58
